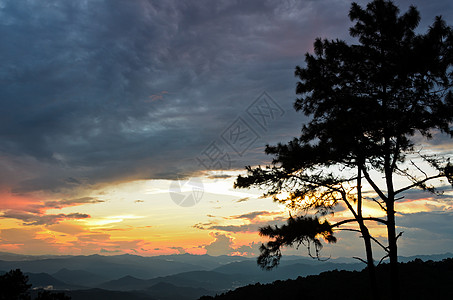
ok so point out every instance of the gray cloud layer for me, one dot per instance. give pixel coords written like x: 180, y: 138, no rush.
x: 93, y: 91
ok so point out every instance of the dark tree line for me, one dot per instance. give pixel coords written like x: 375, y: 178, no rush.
x: 420, y: 280
x: 367, y: 103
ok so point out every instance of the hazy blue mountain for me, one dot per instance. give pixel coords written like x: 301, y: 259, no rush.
x: 80, y: 277
x: 210, y: 262
x: 44, y: 280
x: 208, y: 280
x: 433, y: 257
x: 126, y: 283
x: 20, y: 257
x: 286, y: 270
x: 111, y: 267
x: 313, y: 261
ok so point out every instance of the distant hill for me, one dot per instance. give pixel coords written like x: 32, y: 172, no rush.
x: 79, y: 277
x: 111, y: 267
x: 126, y: 283
x: 209, y: 262
x: 20, y: 257
x: 433, y: 257
x: 420, y: 280
x: 286, y: 270
x: 44, y: 280
x: 208, y: 280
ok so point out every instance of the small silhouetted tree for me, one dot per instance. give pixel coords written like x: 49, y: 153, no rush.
x: 366, y: 101
x: 14, y: 286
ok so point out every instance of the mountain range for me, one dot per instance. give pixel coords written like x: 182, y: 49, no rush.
x: 167, y: 277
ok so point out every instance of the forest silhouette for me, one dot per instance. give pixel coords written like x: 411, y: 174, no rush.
x: 419, y: 280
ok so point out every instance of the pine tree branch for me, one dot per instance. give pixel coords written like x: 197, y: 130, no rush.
x: 354, y: 220
x: 349, y: 229
x: 380, y: 204
x: 384, y: 257
x: 386, y: 249
x: 344, y: 197
x: 362, y: 260
x: 373, y: 185
x: 357, y: 230
x: 418, y: 183
x: 418, y: 168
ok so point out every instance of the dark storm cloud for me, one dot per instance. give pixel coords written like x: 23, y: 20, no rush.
x: 95, y: 91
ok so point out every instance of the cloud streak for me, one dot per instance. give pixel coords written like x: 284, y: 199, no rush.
x: 253, y: 222
x: 37, y: 219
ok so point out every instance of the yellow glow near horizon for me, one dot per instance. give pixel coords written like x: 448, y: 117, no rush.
x: 140, y: 217
x: 141, y: 214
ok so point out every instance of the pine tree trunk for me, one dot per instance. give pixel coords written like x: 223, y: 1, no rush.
x: 389, y: 165
x: 366, y: 236
x: 370, y: 264
x: 393, y: 251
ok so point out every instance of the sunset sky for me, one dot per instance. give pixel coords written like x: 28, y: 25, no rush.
x: 120, y: 121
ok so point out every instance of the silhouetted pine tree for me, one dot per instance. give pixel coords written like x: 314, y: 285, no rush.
x: 366, y: 102
x: 14, y: 286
